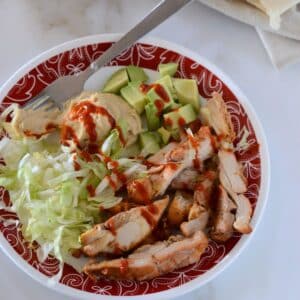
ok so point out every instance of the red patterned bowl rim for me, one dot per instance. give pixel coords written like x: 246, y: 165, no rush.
x: 264, y: 161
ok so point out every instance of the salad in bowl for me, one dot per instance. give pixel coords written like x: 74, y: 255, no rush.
x: 130, y: 182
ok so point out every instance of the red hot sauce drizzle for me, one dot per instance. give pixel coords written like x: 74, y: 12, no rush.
x: 123, y: 266
x: 91, y: 190
x: 168, y: 122
x: 159, y: 105
x: 141, y: 190
x: 152, y: 209
x: 82, y: 112
x: 148, y: 217
x: 181, y: 121
x: 49, y: 128
x: 195, y: 144
x: 158, y: 88
x: 110, y: 225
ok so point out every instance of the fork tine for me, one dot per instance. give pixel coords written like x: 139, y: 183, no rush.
x: 35, y: 103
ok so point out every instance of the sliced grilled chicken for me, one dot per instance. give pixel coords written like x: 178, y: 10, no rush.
x: 179, y: 208
x: 202, y: 195
x: 124, y: 205
x: 224, y: 217
x: 215, y: 114
x: 200, y: 211
x: 186, y: 180
x: 154, y: 260
x: 123, y: 231
x: 243, y: 214
x: 162, y: 156
x: 231, y: 174
x: 196, y: 149
x: 140, y: 190
x: 235, y: 183
x: 162, y: 180
x: 190, y: 153
x: 190, y: 227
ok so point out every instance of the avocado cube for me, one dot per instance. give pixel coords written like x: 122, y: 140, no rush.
x: 148, y: 142
x: 136, y: 73
x: 187, y: 91
x: 171, y: 120
x: 180, y: 117
x: 132, y: 94
x: 161, y: 96
x: 175, y: 133
x: 187, y: 112
x: 167, y: 82
x: 167, y: 69
x: 116, y: 81
x: 152, y: 116
x: 175, y: 106
x: 165, y: 134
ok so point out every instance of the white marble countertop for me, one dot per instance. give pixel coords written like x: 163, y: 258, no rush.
x: 269, y: 267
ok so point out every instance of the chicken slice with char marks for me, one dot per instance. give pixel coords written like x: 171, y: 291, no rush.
x: 231, y: 174
x: 215, y: 114
x: 151, y: 261
x: 140, y: 190
x: 189, y: 153
x: 235, y: 183
x: 123, y: 231
x: 200, y: 211
x: 162, y: 156
x: 161, y: 181
x: 197, y: 148
x: 186, y: 180
x: 179, y: 208
x: 243, y: 214
x: 224, y: 217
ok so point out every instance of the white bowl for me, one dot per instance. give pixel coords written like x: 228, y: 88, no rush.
x: 263, y: 193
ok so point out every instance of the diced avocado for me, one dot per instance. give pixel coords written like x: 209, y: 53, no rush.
x: 148, y: 142
x: 116, y: 81
x: 161, y: 94
x: 175, y: 106
x: 187, y: 112
x: 175, y: 133
x: 171, y: 120
x: 131, y: 151
x: 180, y: 117
x: 166, y: 81
x: 187, y: 91
x: 152, y: 116
x: 165, y: 134
x: 132, y: 94
x: 167, y: 69
x: 136, y: 73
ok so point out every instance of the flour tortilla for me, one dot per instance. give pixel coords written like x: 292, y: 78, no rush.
x: 274, y: 9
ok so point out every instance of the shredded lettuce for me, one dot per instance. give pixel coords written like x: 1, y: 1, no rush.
x: 49, y: 196
x: 112, y: 145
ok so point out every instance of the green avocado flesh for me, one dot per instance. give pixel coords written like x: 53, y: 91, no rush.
x: 165, y: 135
x: 116, y: 82
x: 149, y: 142
x: 180, y: 117
x: 136, y: 73
x: 152, y: 116
x: 187, y: 91
x: 132, y: 94
x: 167, y: 69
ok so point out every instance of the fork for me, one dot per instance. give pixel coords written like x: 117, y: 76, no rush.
x: 65, y: 87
